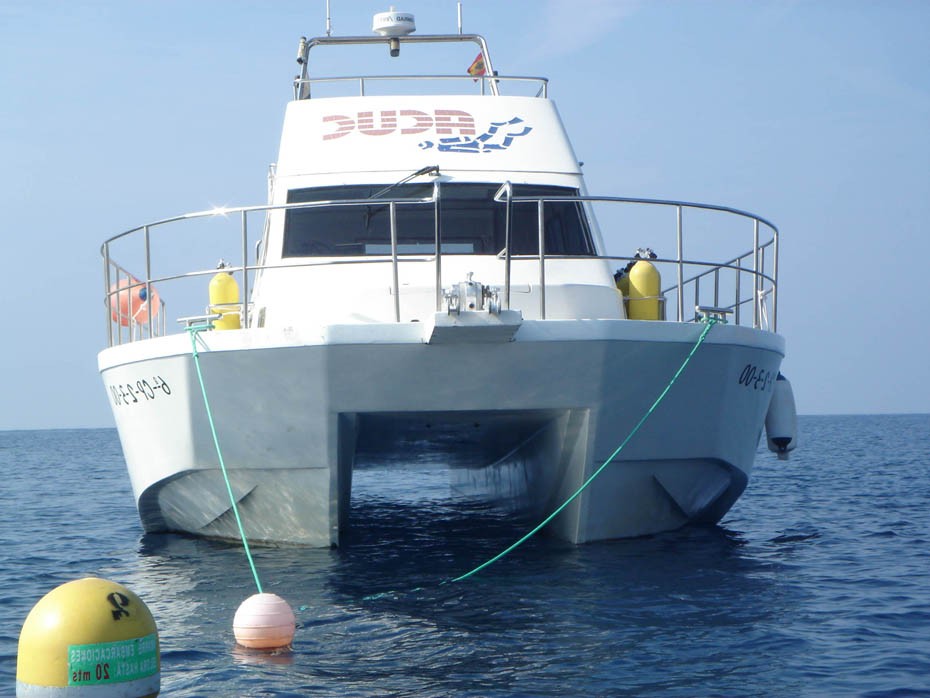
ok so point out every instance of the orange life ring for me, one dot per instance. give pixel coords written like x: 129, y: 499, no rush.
x: 129, y: 302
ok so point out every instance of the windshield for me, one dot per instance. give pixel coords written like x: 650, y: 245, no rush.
x: 471, y: 222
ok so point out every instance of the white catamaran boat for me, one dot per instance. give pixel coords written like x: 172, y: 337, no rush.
x: 428, y: 273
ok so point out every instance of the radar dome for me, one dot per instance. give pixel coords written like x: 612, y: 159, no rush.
x: 393, y: 23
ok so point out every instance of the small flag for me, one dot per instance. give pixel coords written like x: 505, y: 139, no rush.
x: 477, y: 67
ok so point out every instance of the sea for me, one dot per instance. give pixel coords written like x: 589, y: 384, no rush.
x: 817, y: 583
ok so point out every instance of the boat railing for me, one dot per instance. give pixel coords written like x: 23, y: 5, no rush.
x: 748, y: 280
x: 365, y: 85
x: 487, y: 81
x: 147, y: 319
x: 764, y: 236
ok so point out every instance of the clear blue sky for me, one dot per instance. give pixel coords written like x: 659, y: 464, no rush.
x: 815, y: 115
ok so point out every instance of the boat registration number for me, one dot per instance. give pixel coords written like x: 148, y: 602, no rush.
x: 757, y: 378
x: 142, y: 390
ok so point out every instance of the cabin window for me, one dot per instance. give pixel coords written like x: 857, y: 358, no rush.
x: 472, y: 222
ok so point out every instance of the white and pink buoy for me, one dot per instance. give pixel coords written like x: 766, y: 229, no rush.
x: 264, y: 621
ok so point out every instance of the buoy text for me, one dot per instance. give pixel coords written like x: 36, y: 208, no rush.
x: 112, y: 662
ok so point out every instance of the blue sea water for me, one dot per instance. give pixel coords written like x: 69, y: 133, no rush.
x: 816, y: 584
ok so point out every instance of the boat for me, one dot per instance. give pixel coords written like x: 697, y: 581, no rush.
x: 430, y: 274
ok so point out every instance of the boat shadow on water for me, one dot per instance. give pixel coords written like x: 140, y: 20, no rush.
x: 399, y: 558
x: 402, y: 558
x: 384, y: 595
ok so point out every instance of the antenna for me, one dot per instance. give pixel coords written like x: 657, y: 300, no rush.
x: 329, y: 21
x: 460, y: 17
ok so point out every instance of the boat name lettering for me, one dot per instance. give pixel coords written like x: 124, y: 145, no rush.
x: 757, y: 378
x: 142, y: 390
x: 443, y: 122
x: 499, y: 136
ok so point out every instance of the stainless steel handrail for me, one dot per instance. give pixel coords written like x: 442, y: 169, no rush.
x: 302, y: 86
x: 655, y: 202
x: 757, y: 249
x: 226, y: 210
x: 764, y: 284
x: 303, y: 57
x: 245, y: 268
x: 119, y: 283
x: 437, y: 234
x: 734, y: 264
x: 506, y: 189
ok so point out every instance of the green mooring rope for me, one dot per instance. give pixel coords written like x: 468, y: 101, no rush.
x: 194, y: 330
x: 710, y: 322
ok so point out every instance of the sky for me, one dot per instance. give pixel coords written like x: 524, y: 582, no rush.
x: 812, y: 114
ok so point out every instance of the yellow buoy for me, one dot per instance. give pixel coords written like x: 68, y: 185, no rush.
x: 645, y: 288
x: 224, y: 299
x: 88, y: 637
x: 264, y: 621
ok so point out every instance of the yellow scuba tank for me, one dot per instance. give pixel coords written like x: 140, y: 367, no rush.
x: 645, y: 288
x: 224, y: 300
x: 622, y: 281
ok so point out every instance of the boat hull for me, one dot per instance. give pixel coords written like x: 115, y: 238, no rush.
x: 522, y: 420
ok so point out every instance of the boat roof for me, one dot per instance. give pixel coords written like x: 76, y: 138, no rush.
x: 475, y: 123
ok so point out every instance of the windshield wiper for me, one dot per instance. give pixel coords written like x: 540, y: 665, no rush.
x: 419, y: 173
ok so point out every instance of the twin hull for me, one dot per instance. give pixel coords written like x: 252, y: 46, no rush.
x: 527, y: 422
